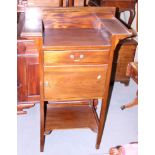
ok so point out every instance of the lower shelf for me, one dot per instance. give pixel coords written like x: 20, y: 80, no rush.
x: 67, y: 117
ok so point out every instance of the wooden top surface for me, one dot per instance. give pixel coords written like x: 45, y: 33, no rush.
x: 74, y: 26
x: 74, y: 38
x: 35, y: 15
x: 115, y: 27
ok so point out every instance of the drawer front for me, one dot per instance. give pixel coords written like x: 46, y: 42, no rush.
x: 75, y: 57
x: 74, y: 82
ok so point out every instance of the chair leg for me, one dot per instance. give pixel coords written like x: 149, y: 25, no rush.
x: 133, y: 103
x: 129, y: 105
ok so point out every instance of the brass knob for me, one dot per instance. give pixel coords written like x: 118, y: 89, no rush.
x: 81, y: 56
x: 46, y: 83
x: 99, y: 77
x: 72, y: 56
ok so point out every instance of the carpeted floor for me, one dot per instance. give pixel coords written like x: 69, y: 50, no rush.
x: 121, y: 128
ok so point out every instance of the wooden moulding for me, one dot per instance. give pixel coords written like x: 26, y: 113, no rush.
x: 22, y: 107
x: 74, y: 116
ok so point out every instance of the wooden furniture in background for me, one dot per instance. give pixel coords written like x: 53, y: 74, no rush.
x: 27, y: 74
x: 75, y: 56
x: 122, y: 6
x: 132, y: 72
x: 124, y: 53
x: 125, y: 50
x: 28, y: 89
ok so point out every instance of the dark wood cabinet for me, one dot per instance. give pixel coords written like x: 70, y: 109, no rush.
x: 75, y: 65
x: 27, y: 74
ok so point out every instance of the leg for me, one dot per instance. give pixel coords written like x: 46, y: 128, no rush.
x: 69, y: 3
x: 131, y: 18
x: 101, y: 123
x: 42, y: 126
x: 85, y: 3
x: 42, y: 140
x: 95, y: 103
x: 93, y: 127
x: 60, y: 3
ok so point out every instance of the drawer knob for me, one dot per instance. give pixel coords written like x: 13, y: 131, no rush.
x: 99, y: 77
x: 81, y: 56
x: 46, y: 83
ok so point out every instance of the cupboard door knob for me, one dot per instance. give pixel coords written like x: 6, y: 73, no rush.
x: 99, y: 77
x: 72, y: 56
x: 46, y: 83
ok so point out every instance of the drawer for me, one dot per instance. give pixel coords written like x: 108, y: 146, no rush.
x: 74, y: 82
x: 73, y: 57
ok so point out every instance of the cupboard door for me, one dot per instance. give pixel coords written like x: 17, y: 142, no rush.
x: 28, y: 71
x: 32, y: 67
x: 28, y: 89
x: 74, y: 82
x: 21, y: 79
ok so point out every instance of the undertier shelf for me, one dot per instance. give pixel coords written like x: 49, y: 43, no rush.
x: 69, y: 117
